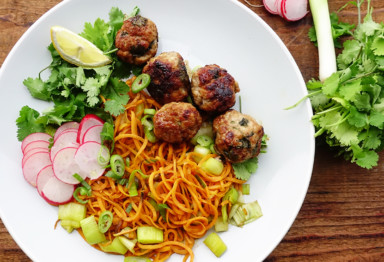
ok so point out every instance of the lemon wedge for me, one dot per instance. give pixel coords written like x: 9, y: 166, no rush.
x: 77, y: 50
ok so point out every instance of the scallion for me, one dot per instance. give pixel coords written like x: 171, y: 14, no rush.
x: 105, y: 221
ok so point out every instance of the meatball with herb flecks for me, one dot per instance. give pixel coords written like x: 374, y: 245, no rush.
x: 176, y: 122
x: 213, y: 89
x: 169, y: 78
x: 137, y: 40
x: 237, y: 136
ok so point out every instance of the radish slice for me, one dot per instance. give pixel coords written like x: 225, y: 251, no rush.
x: 36, y: 144
x: 65, y: 126
x: 270, y: 6
x: 65, y: 166
x: 86, y: 157
x: 294, y: 10
x: 51, y: 189
x: 34, y: 164
x: 31, y: 152
x: 93, y: 134
x: 34, y: 137
x: 87, y: 122
x: 278, y: 4
x: 65, y: 139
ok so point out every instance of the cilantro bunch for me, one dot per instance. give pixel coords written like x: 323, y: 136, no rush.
x: 77, y: 91
x: 349, y: 105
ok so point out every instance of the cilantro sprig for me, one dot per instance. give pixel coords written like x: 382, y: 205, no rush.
x: 76, y: 91
x: 349, y: 105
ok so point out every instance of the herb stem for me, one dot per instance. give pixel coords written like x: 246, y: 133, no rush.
x: 302, y: 99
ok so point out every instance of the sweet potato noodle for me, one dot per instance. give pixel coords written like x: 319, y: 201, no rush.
x: 194, y: 197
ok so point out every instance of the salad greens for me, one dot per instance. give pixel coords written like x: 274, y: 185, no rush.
x: 349, y: 104
x: 77, y: 91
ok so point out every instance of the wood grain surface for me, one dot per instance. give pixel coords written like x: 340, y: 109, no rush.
x: 342, y: 217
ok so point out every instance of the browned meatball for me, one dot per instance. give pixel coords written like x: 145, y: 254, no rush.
x: 137, y: 40
x: 237, y: 136
x: 176, y: 122
x: 169, y: 78
x: 213, y: 89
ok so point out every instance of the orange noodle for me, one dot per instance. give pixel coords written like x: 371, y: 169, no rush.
x: 169, y: 176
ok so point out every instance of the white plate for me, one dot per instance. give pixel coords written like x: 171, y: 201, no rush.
x: 204, y: 32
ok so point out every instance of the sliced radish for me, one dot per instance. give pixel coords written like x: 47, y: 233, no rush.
x: 278, y: 4
x: 34, y: 137
x: 51, y: 189
x: 86, y: 157
x: 36, y: 144
x: 34, y: 164
x: 294, y: 10
x: 65, y: 126
x: 65, y: 139
x: 65, y: 166
x: 93, y: 134
x: 87, y: 122
x: 31, y: 152
x: 270, y: 6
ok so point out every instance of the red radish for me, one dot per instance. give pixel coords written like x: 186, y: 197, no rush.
x: 93, y: 134
x: 51, y: 189
x: 65, y: 126
x: 32, y: 151
x: 36, y: 144
x: 65, y: 139
x: 34, y: 164
x: 65, y: 166
x: 88, y: 121
x: 278, y: 4
x: 86, y: 157
x: 34, y: 137
x: 270, y: 6
x: 294, y: 10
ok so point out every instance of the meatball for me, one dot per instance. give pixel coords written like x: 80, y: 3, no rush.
x: 169, y: 78
x: 176, y: 122
x: 213, y: 89
x: 237, y: 136
x: 137, y: 40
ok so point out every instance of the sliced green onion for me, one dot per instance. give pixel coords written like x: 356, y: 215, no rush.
x: 141, y: 82
x: 139, y: 110
x: 114, y: 247
x: 150, y: 135
x: 149, y: 235
x: 201, y: 181
x: 220, y: 225
x: 150, y: 111
x: 117, y: 165
x: 82, y: 181
x: 213, y: 166
x: 113, y: 175
x: 105, y: 221
x: 128, y: 243
x: 132, y: 188
x: 147, y: 122
x: 215, y: 244
x: 137, y: 259
x: 129, y: 208
x: 212, y: 148
x: 91, y: 231
x: 80, y: 191
x: 127, y: 161
x: 246, y: 188
x: 103, y: 160
x: 204, y: 140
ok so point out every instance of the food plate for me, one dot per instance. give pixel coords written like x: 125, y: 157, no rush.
x: 203, y: 32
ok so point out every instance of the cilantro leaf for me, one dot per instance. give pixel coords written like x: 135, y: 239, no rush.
x: 37, y: 88
x: 26, y: 123
x: 98, y: 34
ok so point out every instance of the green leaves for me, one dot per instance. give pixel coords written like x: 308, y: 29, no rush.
x: 76, y: 91
x: 349, y: 105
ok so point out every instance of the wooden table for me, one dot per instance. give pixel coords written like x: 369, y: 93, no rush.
x: 342, y: 217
